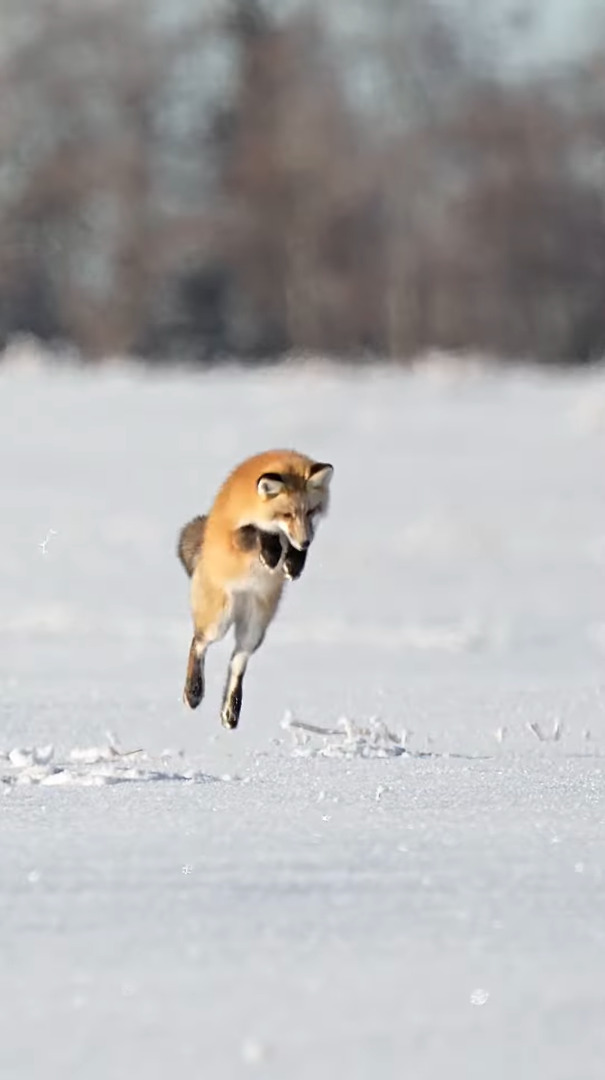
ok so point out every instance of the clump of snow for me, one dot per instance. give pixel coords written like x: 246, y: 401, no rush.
x: 537, y: 730
x: 91, y: 766
x: 25, y: 758
x: 347, y: 740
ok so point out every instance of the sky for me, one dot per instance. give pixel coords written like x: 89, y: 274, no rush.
x: 535, y: 33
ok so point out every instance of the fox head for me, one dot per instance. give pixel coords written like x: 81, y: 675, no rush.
x: 293, y: 502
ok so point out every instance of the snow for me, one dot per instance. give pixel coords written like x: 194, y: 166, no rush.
x: 395, y: 867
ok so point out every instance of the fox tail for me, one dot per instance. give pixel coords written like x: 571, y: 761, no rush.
x: 190, y: 542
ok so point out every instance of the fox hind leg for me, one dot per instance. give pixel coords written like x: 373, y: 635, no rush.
x: 232, y: 697
x: 250, y: 626
x: 212, y: 618
x: 194, y: 680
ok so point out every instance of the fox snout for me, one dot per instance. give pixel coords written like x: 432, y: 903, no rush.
x: 298, y: 528
x: 301, y: 543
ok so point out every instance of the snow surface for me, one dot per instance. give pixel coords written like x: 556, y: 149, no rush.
x: 395, y: 867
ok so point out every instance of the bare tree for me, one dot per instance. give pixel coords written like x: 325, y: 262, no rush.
x: 271, y: 209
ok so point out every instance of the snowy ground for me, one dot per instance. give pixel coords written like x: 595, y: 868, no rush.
x: 275, y: 902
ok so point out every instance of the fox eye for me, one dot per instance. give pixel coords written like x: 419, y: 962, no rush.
x: 287, y: 516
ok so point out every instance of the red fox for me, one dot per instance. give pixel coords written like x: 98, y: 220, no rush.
x: 239, y: 555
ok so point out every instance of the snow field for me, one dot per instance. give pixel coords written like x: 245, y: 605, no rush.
x: 395, y: 867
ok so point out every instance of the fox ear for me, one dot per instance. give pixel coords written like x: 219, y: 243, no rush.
x: 320, y: 476
x: 269, y: 485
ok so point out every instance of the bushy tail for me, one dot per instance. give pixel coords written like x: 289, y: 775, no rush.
x: 191, y: 539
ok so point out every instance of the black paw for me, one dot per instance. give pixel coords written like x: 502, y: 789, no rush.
x: 270, y: 549
x: 229, y: 719
x: 193, y: 692
x: 294, y: 563
x: 230, y: 713
x: 231, y: 708
x: 194, y: 679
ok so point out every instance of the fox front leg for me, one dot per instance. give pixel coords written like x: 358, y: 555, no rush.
x: 269, y: 545
x: 270, y: 550
x: 251, y: 622
x: 294, y: 562
x: 270, y: 553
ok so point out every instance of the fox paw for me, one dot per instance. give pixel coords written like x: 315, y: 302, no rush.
x: 192, y: 696
x: 231, y: 708
x: 229, y: 717
x: 270, y: 550
x: 194, y: 691
x: 269, y: 564
x: 294, y: 563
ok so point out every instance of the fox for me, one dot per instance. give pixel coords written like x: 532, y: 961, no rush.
x: 240, y: 554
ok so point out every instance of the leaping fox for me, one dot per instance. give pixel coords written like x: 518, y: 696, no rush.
x: 239, y: 555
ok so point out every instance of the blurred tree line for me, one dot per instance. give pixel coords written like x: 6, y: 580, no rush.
x: 216, y: 185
